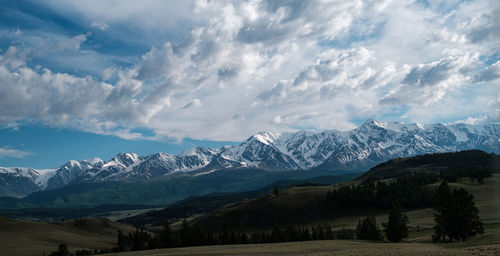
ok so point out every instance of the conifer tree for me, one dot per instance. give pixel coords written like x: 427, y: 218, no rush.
x: 397, y: 224
x: 167, y: 236
x: 121, y: 242
x: 441, y: 208
x: 368, y: 229
x: 456, y: 215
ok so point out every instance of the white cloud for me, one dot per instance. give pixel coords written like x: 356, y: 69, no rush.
x: 266, y: 65
x: 430, y: 82
x: 471, y: 120
x: 490, y: 73
x: 100, y: 25
x: 13, y: 153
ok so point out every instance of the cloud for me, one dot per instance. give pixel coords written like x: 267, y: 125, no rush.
x: 13, y: 153
x: 491, y: 73
x: 222, y: 70
x: 336, y: 74
x: 485, y: 27
x: 75, y: 42
x: 193, y: 103
x: 428, y: 83
x: 100, y: 25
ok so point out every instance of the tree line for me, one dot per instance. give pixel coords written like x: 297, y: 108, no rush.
x: 195, y: 235
x: 474, y: 174
x: 409, y: 191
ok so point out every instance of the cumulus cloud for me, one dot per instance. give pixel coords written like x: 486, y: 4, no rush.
x: 336, y: 74
x: 13, y: 153
x: 428, y: 83
x: 247, y: 66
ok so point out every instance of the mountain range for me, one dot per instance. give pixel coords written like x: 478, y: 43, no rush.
x: 353, y: 150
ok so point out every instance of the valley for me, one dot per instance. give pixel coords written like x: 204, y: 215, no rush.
x: 418, y: 242
x: 249, y: 199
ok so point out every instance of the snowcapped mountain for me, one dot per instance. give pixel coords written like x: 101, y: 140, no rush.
x: 365, y: 146
x: 357, y: 149
x: 17, y: 182
x: 131, y: 166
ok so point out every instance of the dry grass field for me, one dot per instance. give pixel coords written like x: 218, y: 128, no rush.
x: 324, y: 248
x: 21, y: 237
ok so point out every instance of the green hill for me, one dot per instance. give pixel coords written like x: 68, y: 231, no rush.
x: 308, y: 205
x: 434, y: 163
x: 207, y: 203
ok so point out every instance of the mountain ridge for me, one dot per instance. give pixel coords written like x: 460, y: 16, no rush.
x: 356, y: 150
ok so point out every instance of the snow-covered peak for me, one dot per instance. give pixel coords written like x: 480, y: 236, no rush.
x: 19, y: 171
x: 123, y: 160
x: 132, y: 156
x: 40, y: 177
x: 393, y: 126
x: 357, y: 149
x: 267, y: 138
x: 126, y: 158
x: 197, y: 151
x: 94, y: 161
x: 73, y: 163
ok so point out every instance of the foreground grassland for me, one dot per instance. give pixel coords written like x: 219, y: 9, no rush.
x: 20, y: 237
x: 320, y: 248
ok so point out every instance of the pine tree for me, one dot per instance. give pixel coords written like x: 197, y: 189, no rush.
x: 121, y: 242
x: 139, y: 240
x: 368, y: 229
x: 456, y: 215
x: 243, y: 238
x: 185, y: 234
x: 63, y: 250
x: 167, y: 238
x: 441, y: 208
x: 276, y: 192
x: 465, y: 222
x: 397, y: 224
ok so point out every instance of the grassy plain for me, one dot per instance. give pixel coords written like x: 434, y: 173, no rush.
x: 324, y: 248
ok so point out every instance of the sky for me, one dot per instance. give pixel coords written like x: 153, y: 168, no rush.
x: 84, y: 79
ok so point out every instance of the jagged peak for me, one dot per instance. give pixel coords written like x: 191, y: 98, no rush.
x: 71, y: 164
x: 95, y: 160
x: 25, y: 171
x: 130, y: 155
x: 267, y: 138
x: 159, y: 155
x: 121, y: 157
x: 391, y: 125
x: 198, y: 150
